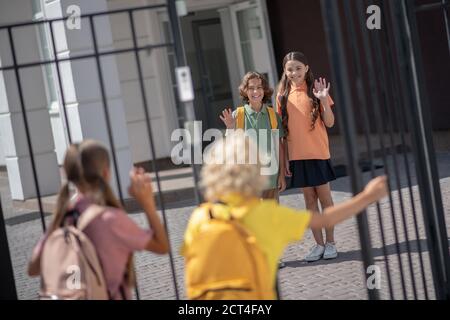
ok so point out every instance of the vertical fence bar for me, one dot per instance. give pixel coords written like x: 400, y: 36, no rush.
x: 385, y: 85
x: 408, y: 54
x: 105, y: 107
x: 337, y: 56
x: 8, y: 285
x: 400, y: 107
x: 27, y: 128
x: 362, y: 99
x: 181, y: 61
x: 152, y: 147
x: 61, y: 88
x: 108, y: 121
x: 442, y: 252
x: 445, y: 5
x: 378, y: 122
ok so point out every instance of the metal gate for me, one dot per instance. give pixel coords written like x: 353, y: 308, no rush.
x: 398, y: 103
x: 378, y: 72
x: 187, y: 114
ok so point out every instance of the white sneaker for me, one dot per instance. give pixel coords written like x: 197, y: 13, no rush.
x: 316, y: 253
x: 330, y: 251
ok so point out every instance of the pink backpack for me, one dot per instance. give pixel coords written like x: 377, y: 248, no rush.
x: 70, y: 268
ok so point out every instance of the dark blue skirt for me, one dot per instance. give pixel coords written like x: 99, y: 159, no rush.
x: 311, y: 173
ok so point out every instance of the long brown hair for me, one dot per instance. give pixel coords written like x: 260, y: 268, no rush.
x: 284, y: 88
x: 84, y: 164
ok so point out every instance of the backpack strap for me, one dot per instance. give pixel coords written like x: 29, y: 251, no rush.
x: 209, y: 209
x: 92, y: 212
x: 211, y: 216
x: 71, y: 217
x: 273, y: 118
x: 240, y: 118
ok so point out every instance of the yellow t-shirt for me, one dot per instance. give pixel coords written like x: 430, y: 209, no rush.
x: 274, y: 227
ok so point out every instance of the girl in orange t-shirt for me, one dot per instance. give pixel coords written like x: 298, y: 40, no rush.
x: 305, y: 108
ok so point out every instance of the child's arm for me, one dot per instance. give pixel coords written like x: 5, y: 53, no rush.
x: 327, y: 114
x: 141, y: 189
x: 281, y: 172
x: 374, y: 191
x: 287, y: 172
x: 34, y: 266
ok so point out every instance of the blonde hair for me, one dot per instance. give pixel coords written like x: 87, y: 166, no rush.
x: 233, y: 165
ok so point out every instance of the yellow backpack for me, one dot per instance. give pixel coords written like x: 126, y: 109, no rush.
x: 240, y: 118
x: 224, y: 262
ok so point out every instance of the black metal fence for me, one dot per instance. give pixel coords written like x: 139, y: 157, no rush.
x: 393, y: 92
x: 377, y: 74
x: 6, y: 272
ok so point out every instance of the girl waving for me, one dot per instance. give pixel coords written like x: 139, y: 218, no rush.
x: 305, y: 108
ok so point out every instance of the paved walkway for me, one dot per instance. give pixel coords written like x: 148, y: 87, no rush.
x: 341, y: 278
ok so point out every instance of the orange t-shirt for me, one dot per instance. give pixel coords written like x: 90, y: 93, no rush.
x: 304, y: 143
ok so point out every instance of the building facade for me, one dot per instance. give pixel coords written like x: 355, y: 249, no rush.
x: 222, y: 39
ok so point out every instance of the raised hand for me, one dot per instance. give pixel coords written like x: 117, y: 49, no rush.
x: 376, y: 188
x: 321, y: 89
x: 140, y: 185
x: 227, y: 118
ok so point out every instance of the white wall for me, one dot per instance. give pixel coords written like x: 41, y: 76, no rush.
x: 14, y: 142
x: 156, y: 73
x: 81, y: 82
x: 2, y: 154
x: 160, y: 105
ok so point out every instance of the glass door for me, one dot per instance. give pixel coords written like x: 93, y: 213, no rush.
x: 253, y: 40
x: 212, y: 70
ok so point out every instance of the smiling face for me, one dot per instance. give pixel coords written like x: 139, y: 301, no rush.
x: 255, y: 91
x: 295, y: 71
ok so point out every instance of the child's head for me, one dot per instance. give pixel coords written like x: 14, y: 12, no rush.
x: 87, y: 167
x: 296, y: 71
x: 254, y: 88
x: 94, y: 161
x: 296, y: 68
x: 230, y: 168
